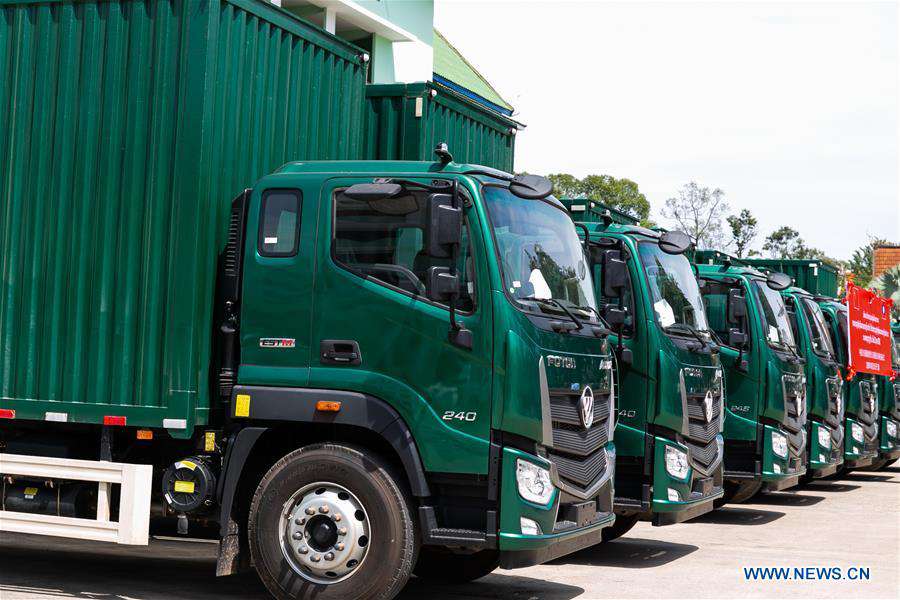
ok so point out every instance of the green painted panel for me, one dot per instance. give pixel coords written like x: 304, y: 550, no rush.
x: 814, y: 276
x: 406, y: 122
x: 126, y: 128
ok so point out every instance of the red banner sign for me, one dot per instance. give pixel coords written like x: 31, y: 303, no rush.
x: 870, y: 331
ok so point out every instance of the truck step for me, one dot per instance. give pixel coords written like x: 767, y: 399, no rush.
x: 447, y: 536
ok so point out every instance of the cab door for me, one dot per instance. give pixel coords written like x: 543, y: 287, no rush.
x: 373, y: 300
x: 278, y: 276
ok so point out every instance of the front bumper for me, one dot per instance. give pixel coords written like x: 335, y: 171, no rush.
x: 778, y: 472
x: 695, y: 494
x: 571, y: 523
x: 858, y: 454
x: 888, y: 446
x: 823, y: 460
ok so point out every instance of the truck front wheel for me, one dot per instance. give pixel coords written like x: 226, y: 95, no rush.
x: 329, y: 522
x: 622, y: 525
x: 447, y: 567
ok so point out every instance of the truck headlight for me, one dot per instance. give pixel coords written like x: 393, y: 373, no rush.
x: 856, y: 431
x: 824, y: 437
x: 533, y: 482
x: 779, y: 444
x: 891, y: 428
x: 676, y: 462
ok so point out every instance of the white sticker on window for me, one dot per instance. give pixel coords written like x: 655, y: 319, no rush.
x: 271, y: 240
x: 773, y: 334
x: 541, y: 289
x: 664, y: 313
x: 517, y: 285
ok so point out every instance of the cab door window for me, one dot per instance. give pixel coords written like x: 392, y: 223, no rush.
x: 384, y: 241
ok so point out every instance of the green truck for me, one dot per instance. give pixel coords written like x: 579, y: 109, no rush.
x: 765, y: 406
x: 825, y: 432
x: 860, y: 394
x: 406, y: 362
x: 668, y: 438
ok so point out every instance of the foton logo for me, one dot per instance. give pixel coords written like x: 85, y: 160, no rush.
x: 277, y: 342
x: 562, y: 362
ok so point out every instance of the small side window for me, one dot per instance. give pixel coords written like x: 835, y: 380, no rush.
x: 279, y: 224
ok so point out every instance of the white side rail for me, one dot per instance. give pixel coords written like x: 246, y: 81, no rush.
x: 133, y: 526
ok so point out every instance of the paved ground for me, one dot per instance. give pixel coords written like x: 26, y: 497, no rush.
x: 825, y: 525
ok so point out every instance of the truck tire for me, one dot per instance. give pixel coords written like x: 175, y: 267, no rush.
x: 738, y: 492
x: 436, y: 564
x: 316, y: 517
x: 621, y: 526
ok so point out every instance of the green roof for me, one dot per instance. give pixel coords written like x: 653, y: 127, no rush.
x: 450, y: 64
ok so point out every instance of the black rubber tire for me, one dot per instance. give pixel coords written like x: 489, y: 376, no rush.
x: 888, y: 463
x: 394, y: 540
x: 736, y: 493
x: 621, y: 526
x: 437, y: 564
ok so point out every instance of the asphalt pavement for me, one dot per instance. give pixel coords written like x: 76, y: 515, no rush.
x: 852, y: 523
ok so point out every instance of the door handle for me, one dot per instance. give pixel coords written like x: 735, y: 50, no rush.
x: 340, y: 352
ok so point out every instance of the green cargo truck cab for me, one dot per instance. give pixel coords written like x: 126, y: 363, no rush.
x: 670, y: 417
x: 860, y: 394
x: 407, y: 362
x: 825, y: 431
x: 765, y: 407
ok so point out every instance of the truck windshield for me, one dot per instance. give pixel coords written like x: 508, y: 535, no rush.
x: 675, y: 294
x: 819, y: 334
x: 775, y: 317
x: 540, y: 254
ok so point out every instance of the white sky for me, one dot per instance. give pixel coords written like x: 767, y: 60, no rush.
x: 791, y: 107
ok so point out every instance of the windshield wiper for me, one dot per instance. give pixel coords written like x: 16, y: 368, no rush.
x: 556, y: 304
x: 688, y: 328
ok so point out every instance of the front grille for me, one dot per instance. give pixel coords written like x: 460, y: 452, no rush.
x: 699, y: 428
x: 835, y: 409
x: 702, y: 456
x: 794, y: 402
x: 896, y: 411
x: 797, y: 442
x: 837, y: 437
x: 580, y: 471
x: 579, y: 453
x: 868, y: 400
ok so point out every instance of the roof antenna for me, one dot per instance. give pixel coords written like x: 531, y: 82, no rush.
x: 443, y: 154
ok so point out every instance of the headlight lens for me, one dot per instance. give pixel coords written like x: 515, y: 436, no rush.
x: 891, y: 429
x: 779, y: 444
x: 824, y: 437
x: 676, y: 462
x: 533, y: 482
x: 530, y: 527
x: 856, y: 431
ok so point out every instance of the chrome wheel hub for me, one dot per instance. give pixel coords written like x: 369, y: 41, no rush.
x: 325, y: 532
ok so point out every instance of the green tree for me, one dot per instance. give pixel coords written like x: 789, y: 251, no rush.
x: 621, y: 194
x: 698, y: 211
x: 744, y: 228
x: 861, y: 264
x: 565, y: 185
x: 784, y: 242
x: 888, y: 285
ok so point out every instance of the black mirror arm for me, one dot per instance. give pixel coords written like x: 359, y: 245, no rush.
x: 458, y: 335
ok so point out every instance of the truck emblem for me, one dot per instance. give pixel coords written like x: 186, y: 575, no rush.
x: 277, y: 342
x: 870, y: 402
x: 708, y: 406
x: 562, y: 362
x: 586, y: 407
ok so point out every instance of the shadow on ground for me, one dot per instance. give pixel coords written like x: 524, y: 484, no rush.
x: 786, y: 499
x: 829, y: 486
x: 738, y: 515
x: 499, y: 584
x: 629, y: 553
x: 856, y: 476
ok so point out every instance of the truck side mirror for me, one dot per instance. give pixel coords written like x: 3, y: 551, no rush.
x: 444, y: 226
x: 736, y: 338
x: 737, y: 307
x: 614, y: 274
x: 442, y: 286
